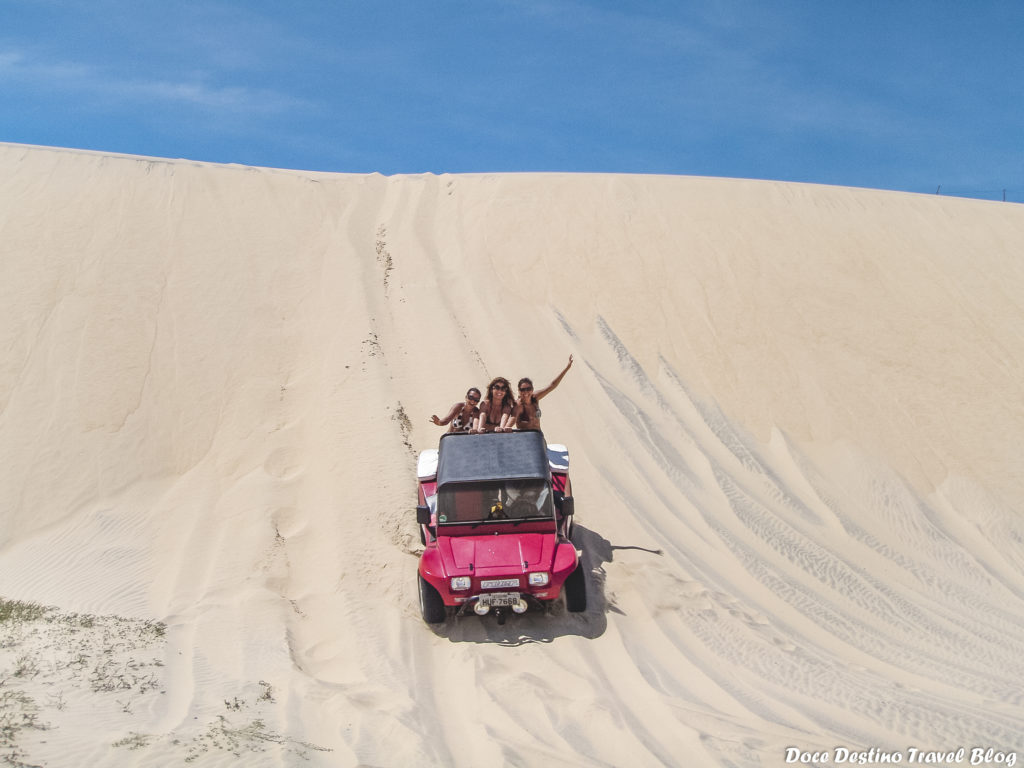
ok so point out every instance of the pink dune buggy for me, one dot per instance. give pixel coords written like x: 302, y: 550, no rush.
x: 495, y: 513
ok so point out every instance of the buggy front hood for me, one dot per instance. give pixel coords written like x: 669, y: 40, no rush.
x: 515, y: 553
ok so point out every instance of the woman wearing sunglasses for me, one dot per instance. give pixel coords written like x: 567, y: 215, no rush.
x: 496, y: 410
x: 462, y: 415
x: 526, y: 414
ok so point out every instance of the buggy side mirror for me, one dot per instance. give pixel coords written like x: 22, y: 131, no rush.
x: 567, y: 506
x: 423, y: 518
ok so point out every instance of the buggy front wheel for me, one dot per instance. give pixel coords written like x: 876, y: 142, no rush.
x: 576, y: 590
x: 431, y: 604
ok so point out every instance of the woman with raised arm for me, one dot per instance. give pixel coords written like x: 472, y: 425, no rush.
x: 462, y: 415
x: 526, y: 414
x: 496, y: 410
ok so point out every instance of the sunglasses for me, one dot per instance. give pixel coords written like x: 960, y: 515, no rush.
x: 473, y: 398
x: 502, y: 387
x: 526, y: 389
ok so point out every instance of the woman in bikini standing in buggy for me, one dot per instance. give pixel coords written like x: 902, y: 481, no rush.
x: 526, y: 414
x: 496, y: 410
x: 462, y: 416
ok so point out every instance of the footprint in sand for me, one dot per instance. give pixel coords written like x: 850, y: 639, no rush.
x: 283, y: 463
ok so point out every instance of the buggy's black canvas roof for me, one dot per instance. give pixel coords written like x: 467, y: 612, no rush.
x: 492, y: 456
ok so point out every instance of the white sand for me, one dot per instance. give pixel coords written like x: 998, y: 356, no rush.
x: 797, y: 431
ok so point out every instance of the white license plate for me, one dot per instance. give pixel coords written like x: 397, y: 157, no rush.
x: 499, y: 583
x: 500, y: 599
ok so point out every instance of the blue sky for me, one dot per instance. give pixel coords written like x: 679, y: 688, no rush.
x: 891, y: 94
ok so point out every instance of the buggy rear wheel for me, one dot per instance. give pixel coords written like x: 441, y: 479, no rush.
x: 576, y: 590
x: 431, y: 604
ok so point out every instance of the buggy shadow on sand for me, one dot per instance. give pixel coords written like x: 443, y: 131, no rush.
x: 496, y: 514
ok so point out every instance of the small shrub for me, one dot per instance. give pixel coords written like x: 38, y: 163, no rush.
x: 17, y: 611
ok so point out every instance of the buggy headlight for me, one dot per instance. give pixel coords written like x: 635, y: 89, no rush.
x: 461, y: 582
x: 539, y: 579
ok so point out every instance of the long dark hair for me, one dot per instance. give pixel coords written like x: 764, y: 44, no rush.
x: 507, y: 399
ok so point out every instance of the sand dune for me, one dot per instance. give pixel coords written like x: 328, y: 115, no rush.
x: 796, y: 429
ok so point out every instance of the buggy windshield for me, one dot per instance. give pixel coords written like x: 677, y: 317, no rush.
x: 494, y: 500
